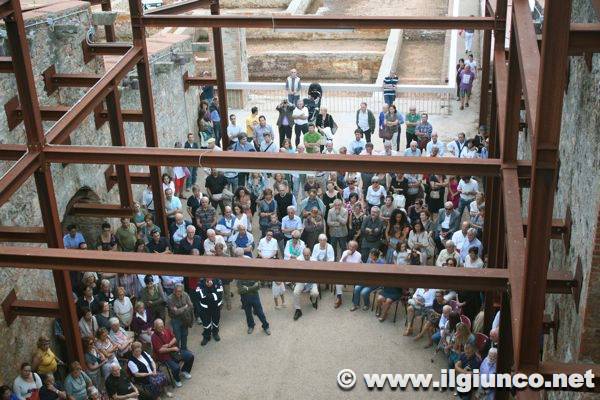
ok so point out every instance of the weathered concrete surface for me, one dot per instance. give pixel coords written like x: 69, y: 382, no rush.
x: 361, y: 66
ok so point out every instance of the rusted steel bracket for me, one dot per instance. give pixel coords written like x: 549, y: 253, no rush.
x: 12, y: 308
x: 551, y: 324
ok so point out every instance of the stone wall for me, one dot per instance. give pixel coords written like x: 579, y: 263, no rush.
x: 176, y: 114
x: 579, y: 188
x: 361, y: 66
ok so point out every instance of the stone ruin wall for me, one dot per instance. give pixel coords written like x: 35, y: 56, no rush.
x: 578, y: 187
x: 175, y: 115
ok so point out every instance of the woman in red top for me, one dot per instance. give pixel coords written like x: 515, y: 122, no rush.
x: 453, y: 194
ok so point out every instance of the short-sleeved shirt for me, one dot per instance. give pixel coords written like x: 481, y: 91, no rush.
x: 159, y: 340
x: 73, y: 242
x: 206, y: 216
x: 185, y: 247
x: 413, y: 119
x: 193, y: 202
x: 466, y: 80
x: 312, y: 138
x: 173, y: 204
x: 127, y: 237
x: 251, y: 122
x: 215, y: 184
x: 472, y: 363
x: 159, y: 247
x: 119, y: 386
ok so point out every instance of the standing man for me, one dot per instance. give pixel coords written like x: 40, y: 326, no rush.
x: 423, y: 131
x: 251, y: 123
x: 285, y: 121
x: 337, y: 226
x: 248, y: 291
x: 365, y: 121
x: 466, y: 85
x: 469, y: 32
x: 292, y: 86
x: 260, y: 130
x: 191, y: 144
x: 210, y: 295
x: 208, y: 91
x: 412, y: 119
x: 389, y: 88
x: 371, y: 232
x: 300, y: 116
x: 216, y: 119
x: 234, y: 132
x: 468, y: 188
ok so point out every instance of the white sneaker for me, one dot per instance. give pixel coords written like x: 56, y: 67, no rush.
x: 169, y: 394
x: 186, y: 375
x: 178, y: 384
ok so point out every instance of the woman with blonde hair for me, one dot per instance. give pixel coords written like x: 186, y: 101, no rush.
x: 44, y: 361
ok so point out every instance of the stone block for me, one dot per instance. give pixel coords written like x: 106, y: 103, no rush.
x: 104, y: 17
x: 67, y: 31
x: 200, y: 47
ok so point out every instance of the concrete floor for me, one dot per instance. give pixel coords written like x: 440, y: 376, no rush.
x: 301, y: 359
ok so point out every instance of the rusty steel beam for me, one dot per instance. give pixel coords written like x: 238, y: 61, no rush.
x: 6, y: 65
x: 485, y: 75
x: 23, y: 234
x: 137, y: 178
x: 544, y: 167
x: 12, y: 308
x: 117, y: 134
x: 584, y: 38
x: 17, y: 175
x: 196, y: 81
x: 263, y: 161
x: 76, y: 114
x: 529, y: 56
x: 276, y: 21
x: 501, y: 82
x: 557, y: 230
x: 510, y: 135
x: 101, y: 210
x: 138, y: 32
x: 91, y: 50
x: 12, y: 152
x: 220, y: 70
x: 178, y: 8
x: 109, y: 30
x: 6, y: 9
x: 515, y: 246
x: 53, y: 81
x: 235, y: 267
x: 101, y: 116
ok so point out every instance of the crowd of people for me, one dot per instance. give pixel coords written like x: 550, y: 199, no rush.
x: 135, y: 327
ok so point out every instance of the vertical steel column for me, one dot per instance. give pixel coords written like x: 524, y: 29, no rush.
x: 62, y: 280
x: 117, y: 134
x: 220, y: 69
x: 485, y: 75
x: 508, y: 153
x: 15, y: 29
x: 143, y: 70
x: 544, y: 166
x: 109, y: 30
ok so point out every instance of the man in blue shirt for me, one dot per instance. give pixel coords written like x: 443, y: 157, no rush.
x: 216, y: 119
x: 73, y: 238
x: 291, y: 222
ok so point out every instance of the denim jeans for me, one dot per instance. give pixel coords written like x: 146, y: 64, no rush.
x: 437, y: 336
x: 251, y: 303
x: 462, y: 205
x: 234, y: 183
x: 181, y: 333
x: 389, y: 98
x: 188, y: 363
x: 363, y: 292
x: 293, y: 98
x: 217, y: 132
x: 192, y: 178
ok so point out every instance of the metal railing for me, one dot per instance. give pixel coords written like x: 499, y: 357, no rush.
x: 344, y: 97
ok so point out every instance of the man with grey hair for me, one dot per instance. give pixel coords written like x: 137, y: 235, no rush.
x: 460, y: 236
x: 436, y: 143
x: 291, y: 222
x: 337, y: 226
x: 412, y: 150
x: 164, y: 345
x: 447, y: 223
x: 190, y: 241
x: 118, y: 385
x: 371, y: 232
x: 470, y: 242
x: 351, y: 255
x: 449, y: 252
x: 211, y: 241
x: 294, y: 247
x: 299, y: 288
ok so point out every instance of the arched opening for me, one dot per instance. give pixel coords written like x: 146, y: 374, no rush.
x: 89, y: 226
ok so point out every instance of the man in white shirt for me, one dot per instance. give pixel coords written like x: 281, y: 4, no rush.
x: 211, y: 241
x: 267, y: 246
x: 447, y: 253
x: 413, y: 150
x: 468, y: 188
x: 329, y: 148
x: 471, y: 63
x: 458, y: 146
x: 292, y: 86
x: 234, y: 132
x: 299, y: 288
x: 267, y: 145
x: 387, y: 149
x: 348, y: 256
x: 300, y: 116
x: 458, y: 237
x: 435, y: 142
x: 322, y: 251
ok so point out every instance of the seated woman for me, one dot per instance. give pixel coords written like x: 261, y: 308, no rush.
x: 77, y: 383
x: 94, y: 360
x: 44, y: 361
x: 385, y: 299
x: 420, y: 240
x: 123, y: 308
x: 145, y: 373
x: 142, y: 323
x: 108, y: 350
x: 456, y: 344
x: 364, y: 292
x: 119, y: 337
x: 51, y: 390
x: 26, y: 383
x: 432, y: 318
x: 104, y: 315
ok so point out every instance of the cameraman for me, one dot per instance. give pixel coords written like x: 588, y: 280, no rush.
x: 285, y: 121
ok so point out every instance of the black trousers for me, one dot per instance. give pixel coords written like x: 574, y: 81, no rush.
x: 300, y: 130
x: 210, y: 320
x: 285, y: 131
x: 367, y: 135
